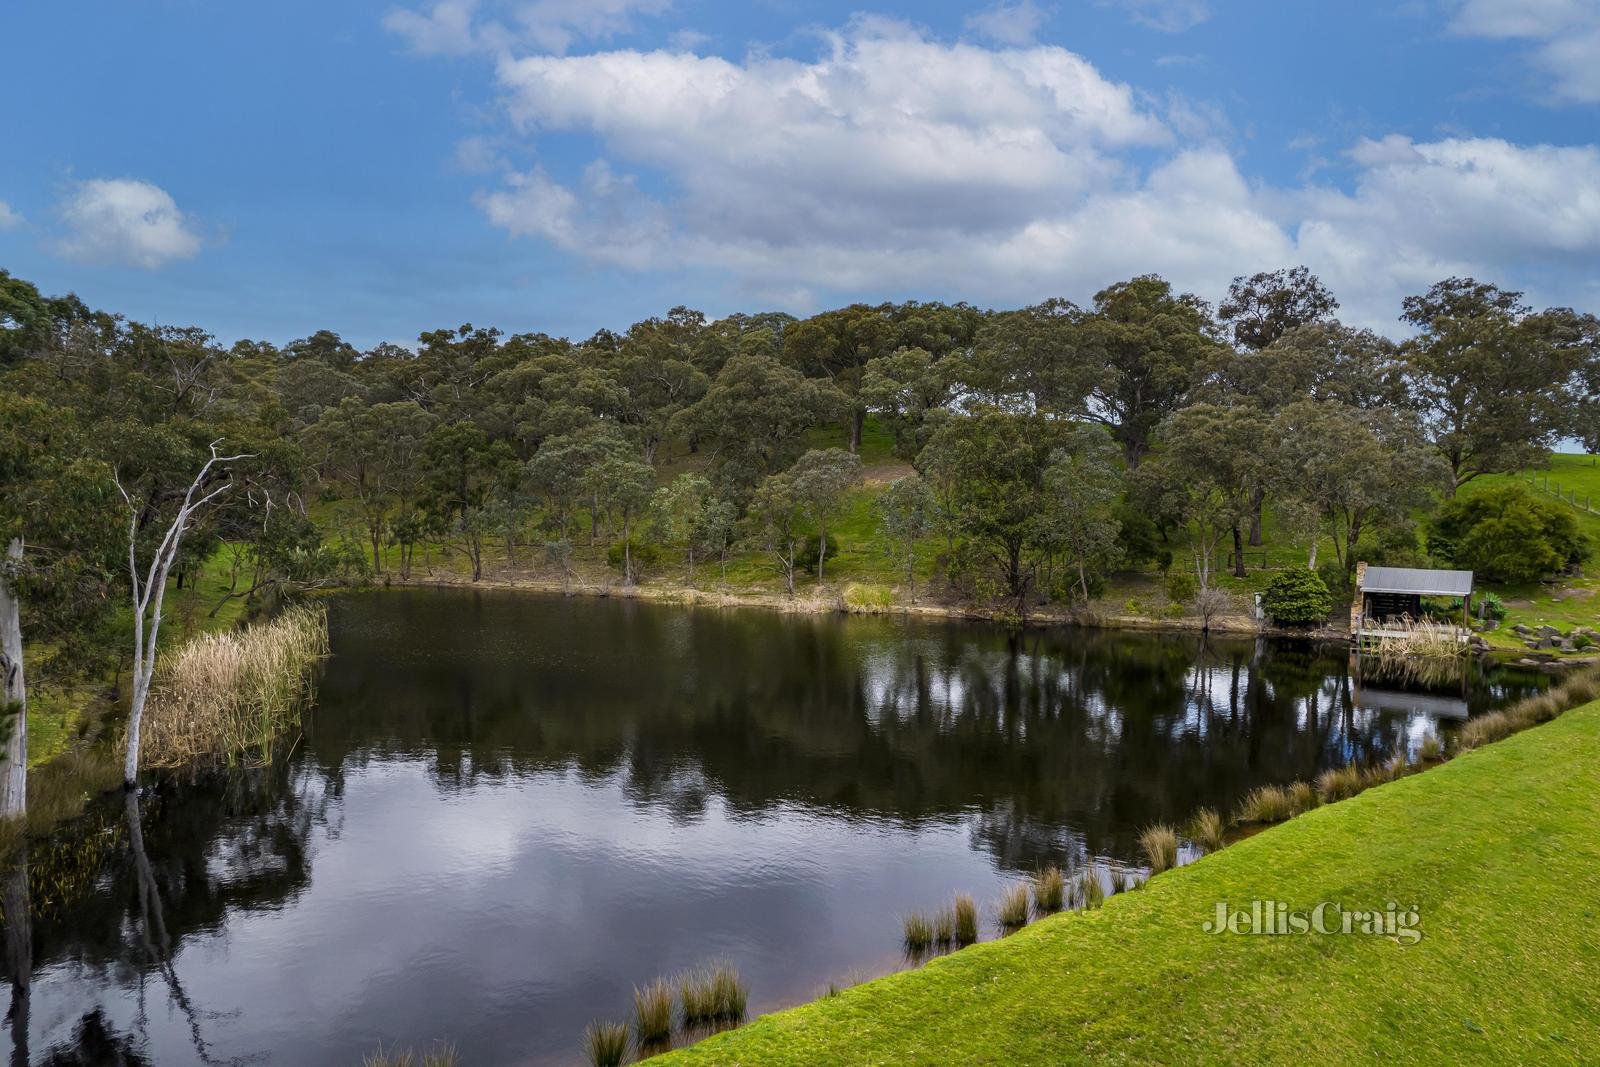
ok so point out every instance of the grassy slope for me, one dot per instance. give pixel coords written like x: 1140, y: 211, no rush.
x: 1498, y: 847
x: 1557, y: 604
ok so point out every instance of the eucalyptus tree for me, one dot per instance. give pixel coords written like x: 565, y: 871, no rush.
x: 907, y: 513
x: 1212, y: 464
x: 376, y: 451
x: 1263, y: 307
x: 1085, y: 483
x: 59, y: 535
x: 679, y: 507
x: 621, y: 485
x: 1352, y: 466
x: 754, y: 417
x: 907, y: 388
x: 822, y: 479
x: 776, y: 519
x: 1145, y: 349
x: 155, y: 531
x: 1489, y: 376
x: 991, y: 470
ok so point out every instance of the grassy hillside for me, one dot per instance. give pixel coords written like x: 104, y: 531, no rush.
x: 1497, y: 849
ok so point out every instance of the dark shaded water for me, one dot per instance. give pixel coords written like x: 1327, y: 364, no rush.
x: 508, y: 810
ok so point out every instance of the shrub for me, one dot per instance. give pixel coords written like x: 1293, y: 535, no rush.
x: 646, y: 557
x: 1181, y: 587
x: 1490, y: 606
x: 805, y: 557
x: 1160, y: 847
x: 865, y: 597
x: 1207, y: 830
x: 1508, y: 534
x: 1297, y: 597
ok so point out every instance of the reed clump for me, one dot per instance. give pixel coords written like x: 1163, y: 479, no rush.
x: 1119, y: 877
x: 944, y: 927
x: 965, y: 910
x: 1302, y: 797
x: 713, y: 994
x: 606, y: 1043
x: 1206, y: 829
x: 230, y: 696
x: 1012, y: 910
x: 1431, y: 750
x: 652, y: 1011
x: 1091, y: 891
x: 1048, y: 890
x: 1339, y: 783
x: 1160, y: 847
x: 1267, y: 803
x: 440, y: 1055
x: 917, y: 929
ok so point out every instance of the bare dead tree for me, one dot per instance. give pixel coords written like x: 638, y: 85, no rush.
x: 149, y: 591
x: 13, y: 692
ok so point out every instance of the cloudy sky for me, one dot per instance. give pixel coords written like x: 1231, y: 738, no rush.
x: 563, y: 165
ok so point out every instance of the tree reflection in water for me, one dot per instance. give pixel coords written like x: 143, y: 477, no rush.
x: 605, y: 786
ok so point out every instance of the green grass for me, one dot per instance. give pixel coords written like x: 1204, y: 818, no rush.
x: 1496, y: 848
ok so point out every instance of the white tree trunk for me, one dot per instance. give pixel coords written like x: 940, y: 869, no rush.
x: 148, y: 595
x: 13, y: 694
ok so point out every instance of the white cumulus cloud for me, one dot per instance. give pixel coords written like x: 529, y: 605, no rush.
x: 460, y: 27
x: 1006, y: 23
x: 895, y: 161
x: 125, y: 221
x: 1564, y: 36
x: 9, y: 217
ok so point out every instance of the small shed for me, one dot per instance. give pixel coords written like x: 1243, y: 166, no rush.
x: 1390, y: 594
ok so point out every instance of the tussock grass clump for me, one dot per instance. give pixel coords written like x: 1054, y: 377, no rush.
x: 1160, y: 847
x: 606, y: 1043
x: 1302, y: 797
x: 440, y: 1055
x: 1530, y: 711
x: 1012, y: 910
x: 652, y: 1011
x: 1119, y: 877
x: 1267, y: 803
x: 712, y: 994
x: 1091, y: 891
x: 918, y: 931
x: 944, y: 927
x: 1431, y: 750
x: 965, y: 910
x: 1483, y: 730
x: 1206, y: 830
x: 1048, y: 890
x: 229, y: 696
x: 1340, y: 783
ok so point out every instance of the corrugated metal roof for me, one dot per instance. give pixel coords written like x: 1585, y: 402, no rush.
x: 1417, y: 580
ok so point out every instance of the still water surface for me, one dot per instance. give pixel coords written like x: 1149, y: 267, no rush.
x: 508, y: 810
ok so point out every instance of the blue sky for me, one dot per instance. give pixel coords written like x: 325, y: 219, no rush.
x: 565, y: 165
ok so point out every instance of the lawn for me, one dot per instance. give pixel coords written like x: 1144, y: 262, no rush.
x: 1497, y: 848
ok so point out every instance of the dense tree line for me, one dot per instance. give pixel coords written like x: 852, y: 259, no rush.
x: 1050, y: 444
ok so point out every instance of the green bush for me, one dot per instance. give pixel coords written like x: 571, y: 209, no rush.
x: 1181, y: 587
x: 1297, y: 597
x: 1490, y: 606
x: 1507, y: 534
x: 646, y: 557
x: 806, y: 558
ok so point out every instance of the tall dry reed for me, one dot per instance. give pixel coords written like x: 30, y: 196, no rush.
x: 230, y: 696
